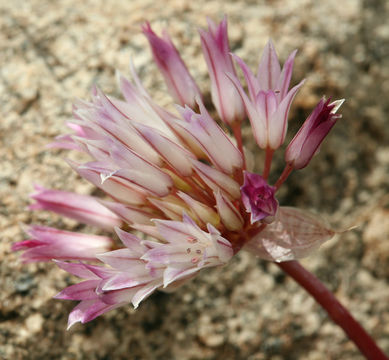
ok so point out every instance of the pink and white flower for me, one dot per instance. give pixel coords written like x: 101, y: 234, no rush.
x: 83, y: 208
x: 46, y: 243
x: 269, y: 99
x: 308, y: 139
x: 216, y: 52
x: 179, y: 82
x: 179, y: 179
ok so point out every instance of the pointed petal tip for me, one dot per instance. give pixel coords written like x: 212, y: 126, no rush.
x: 337, y: 104
x: 135, y: 305
x: 59, y: 296
x: 146, y: 27
x: 73, y: 319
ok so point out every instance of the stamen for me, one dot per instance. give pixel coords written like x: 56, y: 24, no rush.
x: 195, y: 260
x: 191, y: 240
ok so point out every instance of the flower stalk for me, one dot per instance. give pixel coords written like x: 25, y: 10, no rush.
x: 338, y: 313
x: 284, y: 175
x: 268, y: 160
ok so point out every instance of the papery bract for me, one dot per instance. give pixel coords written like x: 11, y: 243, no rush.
x: 294, y: 234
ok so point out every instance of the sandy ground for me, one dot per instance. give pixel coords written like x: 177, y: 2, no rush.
x: 53, y: 51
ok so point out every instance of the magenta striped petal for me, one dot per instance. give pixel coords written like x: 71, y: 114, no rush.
x: 279, y: 121
x: 87, y: 310
x: 144, y: 292
x: 251, y: 80
x: 49, y: 243
x: 121, y: 296
x: 125, y: 280
x: 131, y: 241
x: 217, y: 56
x: 179, y: 82
x: 217, y: 180
x: 286, y: 75
x: 258, y: 123
x: 83, y: 208
x: 84, y: 290
x: 315, y: 128
x: 129, y: 214
x: 117, y: 188
x: 140, y: 108
x: 269, y: 69
x: 172, y: 274
x: 204, y: 213
x: 121, y: 259
x: 213, y: 140
x: 77, y: 269
x: 171, y: 152
x: 229, y: 214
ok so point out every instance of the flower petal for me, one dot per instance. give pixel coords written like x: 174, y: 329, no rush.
x: 87, y: 310
x: 279, y: 121
x: 129, y: 214
x: 217, y: 180
x: 269, y: 69
x: 117, y: 188
x: 217, y: 56
x: 172, y: 153
x: 84, y: 290
x: 230, y: 216
x: 48, y: 243
x: 83, y: 208
x: 144, y: 292
x: 179, y: 82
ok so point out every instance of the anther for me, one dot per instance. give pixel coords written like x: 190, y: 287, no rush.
x: 195, y: 260
x: 191, y: 240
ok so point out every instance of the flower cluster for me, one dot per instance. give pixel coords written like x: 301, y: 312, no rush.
x: 181, y: 195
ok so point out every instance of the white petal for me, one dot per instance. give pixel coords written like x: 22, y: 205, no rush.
x: 230, y: 216
x: 174, y: 154
x: 217, y: 180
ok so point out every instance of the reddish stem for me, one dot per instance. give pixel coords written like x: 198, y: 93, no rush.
x: 269, y: 158
x: 288, y: 169
x: 335, y: 309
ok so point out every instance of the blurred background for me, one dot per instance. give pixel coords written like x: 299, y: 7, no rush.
x: 51, y: 52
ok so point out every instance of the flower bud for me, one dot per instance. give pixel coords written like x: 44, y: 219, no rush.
x: 180, y: 83
x: 217, y: 55
x: 258, y: 198
x: 308, y: 139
